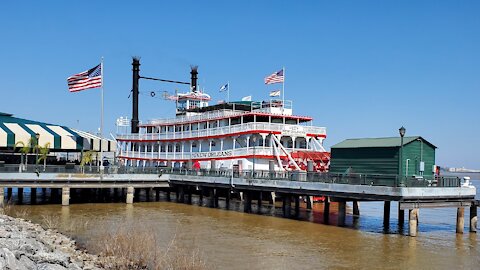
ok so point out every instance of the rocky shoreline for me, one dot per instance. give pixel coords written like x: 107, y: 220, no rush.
x: 24, y: 245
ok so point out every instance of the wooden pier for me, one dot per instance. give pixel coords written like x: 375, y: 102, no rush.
x: 261, y: 186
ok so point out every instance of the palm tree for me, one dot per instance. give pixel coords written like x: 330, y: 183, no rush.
x: 87, y: 158
x: 24, y: 150
x: 43, y: 152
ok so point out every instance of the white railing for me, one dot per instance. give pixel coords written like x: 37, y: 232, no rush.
x: 257, y: 151
x: 201, y: 117
x: 289, y: 130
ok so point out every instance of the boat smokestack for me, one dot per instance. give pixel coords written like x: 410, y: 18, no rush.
x: 136, y: 77
x: 194, y: 73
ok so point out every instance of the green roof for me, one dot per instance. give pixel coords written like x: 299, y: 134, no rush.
x: 378, y: 142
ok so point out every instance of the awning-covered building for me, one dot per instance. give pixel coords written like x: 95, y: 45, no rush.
x: 59, y: 138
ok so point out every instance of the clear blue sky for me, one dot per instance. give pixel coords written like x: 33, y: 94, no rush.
x: 360, y: 68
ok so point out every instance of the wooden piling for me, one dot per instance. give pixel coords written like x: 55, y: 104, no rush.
x: 460, y: 219
x: 473, y: 218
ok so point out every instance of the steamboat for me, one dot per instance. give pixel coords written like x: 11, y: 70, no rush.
x: 238, y: 135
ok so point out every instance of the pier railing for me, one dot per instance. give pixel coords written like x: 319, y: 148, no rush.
x: 322, y: 177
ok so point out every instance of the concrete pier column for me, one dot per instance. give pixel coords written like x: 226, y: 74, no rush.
x: 227, y: 199
x: 2, y: 197
x: 401, y: 216
x: 273, y: 196
x: 169, y: 198
x: 342, y: 212
x: 356, y: 209
x: 413, y: 222
x: 247, y: 203
x: 297, y: 205
x: 200, y: 199
x: 33, y: 195
x: 259, y: 200
x: 241, y: 195
x: 215, y: 198
x: 65, y: 196
x: 326, y: 210
x: 181, y: 194
x: 148, y: 192
x: 130, y: 194
x: 287, y: 205
x: 189, y: 195
x: 9, y: 194
x: 460, y: 219
x: 20, y: 195
x: 115, y: 194
x: 473, y: 218
x: 211, y: 197
x: 386, y: 214
x: 309, y: 202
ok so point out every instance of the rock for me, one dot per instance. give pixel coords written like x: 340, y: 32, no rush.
x: 50, y: 266
x: 24, y: 245
x: 73, y: 266
x: 10, y: 261
x: 29, y: 264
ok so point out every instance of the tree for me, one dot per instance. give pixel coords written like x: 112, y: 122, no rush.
x: 43, y: 153
x: 24, y: 150
x: 87, y: 158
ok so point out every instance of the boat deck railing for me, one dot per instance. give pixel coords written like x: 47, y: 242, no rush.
x: 321, y: 177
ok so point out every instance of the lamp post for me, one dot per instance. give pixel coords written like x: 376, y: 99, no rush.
x: 37, y: 137
x: 400, y: 172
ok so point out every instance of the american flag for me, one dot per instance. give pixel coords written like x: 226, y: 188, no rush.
x: 276, y: 77
x: 88, y: 79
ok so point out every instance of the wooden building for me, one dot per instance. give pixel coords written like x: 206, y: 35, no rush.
x: 382, y: 156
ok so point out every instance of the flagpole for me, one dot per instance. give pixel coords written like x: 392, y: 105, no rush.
x: 228, y: 92
x: 101, y: 121
x: 283, y: 91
